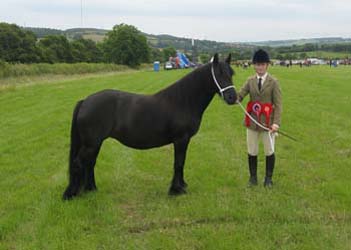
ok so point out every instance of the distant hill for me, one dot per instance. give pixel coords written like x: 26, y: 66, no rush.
x: 88, y: 33
x: 41, y: 32
x: 157, y: 41
x: 280, y: 43
x: 162, y: 41
x: 96, y: 35
x: 184, y: 44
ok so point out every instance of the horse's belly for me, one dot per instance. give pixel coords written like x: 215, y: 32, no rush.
x: 141, y: 139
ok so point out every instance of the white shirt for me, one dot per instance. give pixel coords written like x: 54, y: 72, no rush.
x: 264, y: 77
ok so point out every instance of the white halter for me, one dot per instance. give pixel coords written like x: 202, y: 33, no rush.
x: 221, y: 90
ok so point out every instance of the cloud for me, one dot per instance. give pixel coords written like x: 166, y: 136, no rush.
x: 224, y: 20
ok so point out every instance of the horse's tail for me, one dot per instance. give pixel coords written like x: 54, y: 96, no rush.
x: 75, y: 138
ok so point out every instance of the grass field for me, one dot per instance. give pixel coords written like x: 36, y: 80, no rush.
x: 308, y: 208
x: 328, y: 54
x: 325, y: 54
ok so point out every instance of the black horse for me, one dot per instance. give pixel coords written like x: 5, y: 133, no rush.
x: 172, y: 115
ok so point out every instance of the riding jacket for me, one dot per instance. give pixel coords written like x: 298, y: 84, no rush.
x: 269, y: 95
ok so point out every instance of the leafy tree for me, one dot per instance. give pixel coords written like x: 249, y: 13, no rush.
x: 79, y: 52
x: 85, y: 50
x: 280, y: 57
x: 17, y: 45
x: 42, y: 32
x: 125, y: 44
x: 205, y: 58
x: 303, y: 55
x: 168, y: 52
x: 56, y: 49
x: 310, y: 47
x: 288, y: 56
x: 156, y: 55
x: 235, y: 55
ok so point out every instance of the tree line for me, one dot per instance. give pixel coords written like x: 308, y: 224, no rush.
x: 124, y: 44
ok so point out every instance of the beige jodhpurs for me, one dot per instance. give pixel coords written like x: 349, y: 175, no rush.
x: 253, y: 138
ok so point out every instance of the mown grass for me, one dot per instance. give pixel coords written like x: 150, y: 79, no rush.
x: 309, y: 207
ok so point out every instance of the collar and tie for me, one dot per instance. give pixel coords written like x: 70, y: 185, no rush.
x: 261, y: 80
x: 260, y: 83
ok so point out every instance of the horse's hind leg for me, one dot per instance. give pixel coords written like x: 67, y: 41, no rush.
x: 80, y: 166
x: 89, y: 174
x: 76, y: 174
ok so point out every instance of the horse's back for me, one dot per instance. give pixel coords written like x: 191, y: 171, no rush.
x: 96, y: 115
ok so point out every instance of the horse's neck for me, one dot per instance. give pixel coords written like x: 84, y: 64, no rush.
x: 203, y: 99
x: 193, y: 92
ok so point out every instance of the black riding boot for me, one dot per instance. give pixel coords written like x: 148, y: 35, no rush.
x: 253, y: 170
x: 270, y: 160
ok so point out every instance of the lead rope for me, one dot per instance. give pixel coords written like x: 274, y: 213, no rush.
x: 270, y: 134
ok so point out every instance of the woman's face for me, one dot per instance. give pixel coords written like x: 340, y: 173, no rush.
x: 261, y: 68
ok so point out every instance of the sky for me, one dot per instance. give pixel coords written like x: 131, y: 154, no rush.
x: 218, y: 20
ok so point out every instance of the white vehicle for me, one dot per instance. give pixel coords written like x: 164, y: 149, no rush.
x: 168, y: 65
x: 316, y: 61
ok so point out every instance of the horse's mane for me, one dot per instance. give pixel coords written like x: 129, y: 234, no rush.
x: 187, y: 85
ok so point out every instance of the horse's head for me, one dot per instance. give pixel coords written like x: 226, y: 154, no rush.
x: 222, y: 75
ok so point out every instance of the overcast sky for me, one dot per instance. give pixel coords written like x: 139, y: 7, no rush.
x: 220, y: 20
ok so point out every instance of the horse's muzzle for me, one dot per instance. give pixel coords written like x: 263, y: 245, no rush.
x: 230, y: 97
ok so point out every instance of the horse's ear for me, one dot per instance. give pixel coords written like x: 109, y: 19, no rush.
x: 214, y: 59
x: 229, y: 58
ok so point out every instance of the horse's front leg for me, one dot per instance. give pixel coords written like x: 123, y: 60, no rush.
x: 178, y: 184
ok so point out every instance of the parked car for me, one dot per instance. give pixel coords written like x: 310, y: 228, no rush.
x: 168, y: 65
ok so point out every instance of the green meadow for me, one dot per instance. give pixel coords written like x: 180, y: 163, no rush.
x: 308, y: 208
x: 327, y: 55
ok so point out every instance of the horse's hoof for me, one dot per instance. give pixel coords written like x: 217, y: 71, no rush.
x: 68, y: 195
x: 252, y: 182
x: 268, y: 185
x: 184, y: 185
x: 176, y: 191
